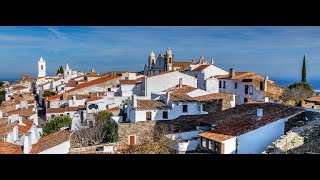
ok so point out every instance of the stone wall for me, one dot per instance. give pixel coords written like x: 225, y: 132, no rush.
x: 301, y: 119
x: 145, y: 130
x: 217, y: 105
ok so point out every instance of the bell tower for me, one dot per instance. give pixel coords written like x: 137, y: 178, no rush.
x: 41, y: 67
x: 152, y: 60
x: 169, y: 60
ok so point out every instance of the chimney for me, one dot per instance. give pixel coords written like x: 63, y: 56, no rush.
x: 265, y: 84
x: 74, y: 99
x: 232, y: 74
x: 134, y: 101
x: 23, y: 104
x: 180, y: 83
x: 27, y: 143
x: 1, y: 114
x: 168, y: 98
x: 259, y: 113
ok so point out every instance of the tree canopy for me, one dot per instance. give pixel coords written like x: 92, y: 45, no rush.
x: 60, y: 70
x: 55, y: 124
x: 298, y: 92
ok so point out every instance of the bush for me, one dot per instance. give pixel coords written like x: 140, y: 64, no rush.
x: 297, y: 92
x: 305, y: 85
x: 55, y: 124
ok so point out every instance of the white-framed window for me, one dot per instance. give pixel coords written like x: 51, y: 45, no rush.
x: 251, y: 89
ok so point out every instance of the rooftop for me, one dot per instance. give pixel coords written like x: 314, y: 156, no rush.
x: 136, y: 81
x: 8, y: 148
x: 50, y: 141
x: 314, y: 99
x: 201, y: 67
x: 243, y: 118
x: 150, y: 105
x: 62, y: 110
x: 7, y: 128
x: 182, y: 65
x: 216, y: 136
x: 24, y: 129
x: 93, y: 99
x: 52, y: 98
x: 26, y: 112
x: 93, y: 82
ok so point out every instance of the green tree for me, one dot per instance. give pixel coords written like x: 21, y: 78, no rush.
x: 55, y: 124
x: 60, y: 70
x: 48, y: 94
x: 2, y: 95
x: 304, y: 70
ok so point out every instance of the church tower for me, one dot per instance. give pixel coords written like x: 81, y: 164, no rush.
x: 66, y: 73
x: 169, y: 60
x: 152, y: 60
x: 41, y: 68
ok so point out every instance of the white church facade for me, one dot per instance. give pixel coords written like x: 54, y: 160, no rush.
x: 42, y: 68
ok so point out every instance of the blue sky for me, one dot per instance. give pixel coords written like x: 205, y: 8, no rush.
x: 272, y: 51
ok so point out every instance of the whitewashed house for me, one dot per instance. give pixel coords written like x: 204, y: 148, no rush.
x: 247, y: 128
x: 204, y: 71
x: 177, y: 101
x: 249, y: 86
x: 56, y: 143
x: 66, y: 111
x: 165, y: 80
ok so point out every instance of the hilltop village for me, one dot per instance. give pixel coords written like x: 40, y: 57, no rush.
x: 170, y: 106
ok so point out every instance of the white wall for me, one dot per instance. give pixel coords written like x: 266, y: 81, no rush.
x: 230, y: 146
x: 71, y: 113
x: 188, y: 143
x: 166, y: 81
x: 212, y: 85
x: 256, y: 141
x: 62, y: 148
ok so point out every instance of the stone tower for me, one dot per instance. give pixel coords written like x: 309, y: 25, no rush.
x: 169, y: 60
x: 41, y: 68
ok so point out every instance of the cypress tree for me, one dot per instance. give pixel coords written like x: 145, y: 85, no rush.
x: 304, y: 70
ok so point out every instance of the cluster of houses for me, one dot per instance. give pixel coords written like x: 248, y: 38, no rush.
x: 241, y: 111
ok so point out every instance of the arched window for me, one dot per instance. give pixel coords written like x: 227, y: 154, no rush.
x: 170, y: 60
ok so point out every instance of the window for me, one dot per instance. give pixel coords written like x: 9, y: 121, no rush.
x: 61, y: 114
x: 68, y: 114
x: 245, y: 100
x: 148, y: 116
x: 224, y: 84
x: 52, y: 115
x: 261, y: 85
x: 170, y: 60
x: 62, y: 88
x: 219, y: 84
x: 203, y: 142
x: 235, y: 85
x: 199, y: 107
x: 203, y: 107
x: 109, y: 89
x: 165, y: 114
x: 246, y: 89
x: 41, y: 67
x: 90, y: 124
x: 185, y: 108
x: 217, y: 147
x: 251, y: 89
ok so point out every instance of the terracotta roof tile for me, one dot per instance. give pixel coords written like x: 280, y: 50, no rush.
x: 52, y: 98
x: 8, y: 148
x: 79, y: 96
x: 182, y: 65
x: 216, y: 136
x: 94, y: 82
x: 314, y: 99
x: 50, y: 141
x: 7, y: 128
x: 213, y: 96
x: 242, y: 118
x: 22, y: 112
x: 201, y: 67
x: 24, y: 129
x: 150, y: 105
x: 136, y: 81
x: 71, y: 83
x: 93, y: 99
x: 62, y: 110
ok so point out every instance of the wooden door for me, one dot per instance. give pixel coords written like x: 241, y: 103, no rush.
x: 148, y: 114
x: 132, y: 140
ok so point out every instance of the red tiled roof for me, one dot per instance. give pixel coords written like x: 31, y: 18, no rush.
x: 93, y: 99
x: 150, y: 105
x: 136, y: 81
x: 213, y: 96
x: 94, y: 82
x: 112, y: 109
x: 182, y: 65
x: 24, y: 129
x: 23, y: 112
x: 216, y: 136
x: 3, y: 121
x: 243, y: 118
x: 71, y: 83
x: 314, y: 99
x: 52, y: 98
x: 8, y: 148
x: 7, y: 128
x: 201, y: 67
x: 79, y: 96
x: 50, y: 141
x: 62, y: 110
